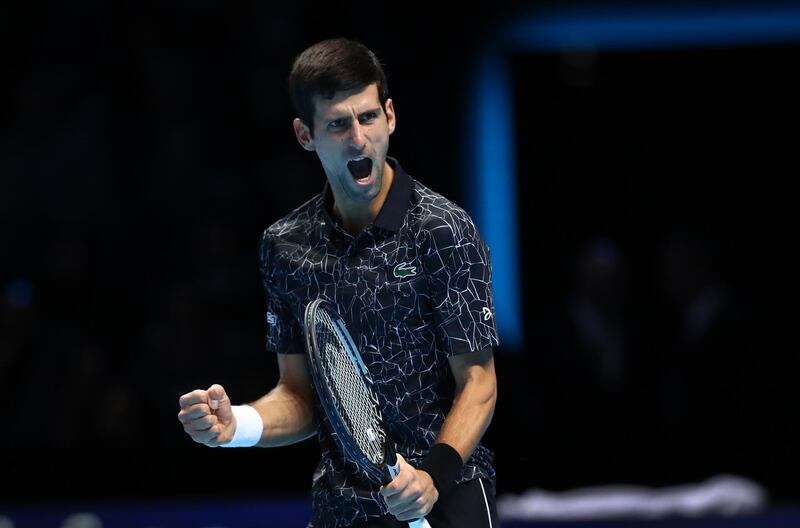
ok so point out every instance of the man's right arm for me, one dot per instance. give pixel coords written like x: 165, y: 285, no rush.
x: 287, y: 411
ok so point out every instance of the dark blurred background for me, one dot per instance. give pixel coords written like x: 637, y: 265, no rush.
x: 144, y: 147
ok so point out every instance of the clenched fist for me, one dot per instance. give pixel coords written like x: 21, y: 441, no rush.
x: 207, y: 417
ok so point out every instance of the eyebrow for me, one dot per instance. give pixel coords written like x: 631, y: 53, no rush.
x: 336, y: 117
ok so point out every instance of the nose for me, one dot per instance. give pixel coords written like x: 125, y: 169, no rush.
x: 357, y: 138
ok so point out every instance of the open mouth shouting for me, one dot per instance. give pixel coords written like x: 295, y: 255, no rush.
x: 361, y: 170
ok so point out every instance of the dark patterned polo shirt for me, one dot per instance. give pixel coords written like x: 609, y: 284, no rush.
x: 413, y: 288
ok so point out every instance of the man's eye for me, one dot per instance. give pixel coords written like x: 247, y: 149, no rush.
x: 337, y: 123
x: 369, y: 116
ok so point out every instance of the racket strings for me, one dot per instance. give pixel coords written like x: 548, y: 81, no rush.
x: 351, y: 394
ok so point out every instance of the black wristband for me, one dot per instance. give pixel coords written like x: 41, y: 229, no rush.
x: 443, y: 464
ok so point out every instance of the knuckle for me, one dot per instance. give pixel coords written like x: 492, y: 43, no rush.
x: 218, y: 435
x: 198, y: 425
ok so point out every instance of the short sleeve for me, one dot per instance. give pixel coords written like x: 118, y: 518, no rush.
x: 283, y: 331
x: 459, y: 273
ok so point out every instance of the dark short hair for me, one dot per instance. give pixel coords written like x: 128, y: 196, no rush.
x: 331, y: 66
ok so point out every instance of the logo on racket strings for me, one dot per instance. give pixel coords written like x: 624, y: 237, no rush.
x: 487, y: 313
x: 371, y: 434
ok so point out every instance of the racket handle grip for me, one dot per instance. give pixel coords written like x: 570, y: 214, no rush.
x: 393, y: 470
x: 419, y: 523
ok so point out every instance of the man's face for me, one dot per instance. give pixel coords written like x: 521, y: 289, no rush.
x: 351, y: 138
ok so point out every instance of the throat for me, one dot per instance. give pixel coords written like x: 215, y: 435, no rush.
x: 355, y: 221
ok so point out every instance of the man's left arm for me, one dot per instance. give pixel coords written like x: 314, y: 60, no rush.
x: 457, y: 265
x: 473, y: 405
x: 413, y: 492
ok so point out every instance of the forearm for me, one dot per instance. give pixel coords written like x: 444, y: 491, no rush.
x: 471, y: 413
x: 288, y: 416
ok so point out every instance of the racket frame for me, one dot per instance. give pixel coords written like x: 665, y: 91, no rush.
x: 388, y: 468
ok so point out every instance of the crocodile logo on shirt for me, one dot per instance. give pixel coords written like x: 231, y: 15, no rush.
x: 404, y: 270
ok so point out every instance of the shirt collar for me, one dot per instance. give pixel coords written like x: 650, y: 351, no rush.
x: 394, y: 208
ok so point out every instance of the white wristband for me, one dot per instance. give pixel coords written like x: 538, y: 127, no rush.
x: 249, y: 427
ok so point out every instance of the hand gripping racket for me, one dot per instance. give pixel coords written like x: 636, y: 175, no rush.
x: 344, y: 387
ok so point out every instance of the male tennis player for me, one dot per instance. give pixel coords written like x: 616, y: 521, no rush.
x: 411, y: 276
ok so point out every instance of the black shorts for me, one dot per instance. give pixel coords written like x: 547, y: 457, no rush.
x: 469, y: 505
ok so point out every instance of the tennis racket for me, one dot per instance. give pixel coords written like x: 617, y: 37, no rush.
x: 344, y: 387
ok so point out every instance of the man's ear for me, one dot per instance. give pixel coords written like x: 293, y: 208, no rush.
x: 303, y: 134
x: 391, y: 118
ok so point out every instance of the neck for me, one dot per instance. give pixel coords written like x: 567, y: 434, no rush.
x: 356, y: 217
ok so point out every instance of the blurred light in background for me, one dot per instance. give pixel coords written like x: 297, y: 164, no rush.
x: 19, y: 293
x: 493, y: 202
x: 495, y: 199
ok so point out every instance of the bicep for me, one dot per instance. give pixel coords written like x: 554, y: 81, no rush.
x: 294, y: 374
x: 473, y: 367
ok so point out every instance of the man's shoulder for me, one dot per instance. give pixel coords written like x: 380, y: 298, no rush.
x: 296, y: 221
x: 294, y: 227
x: 433, y: 211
